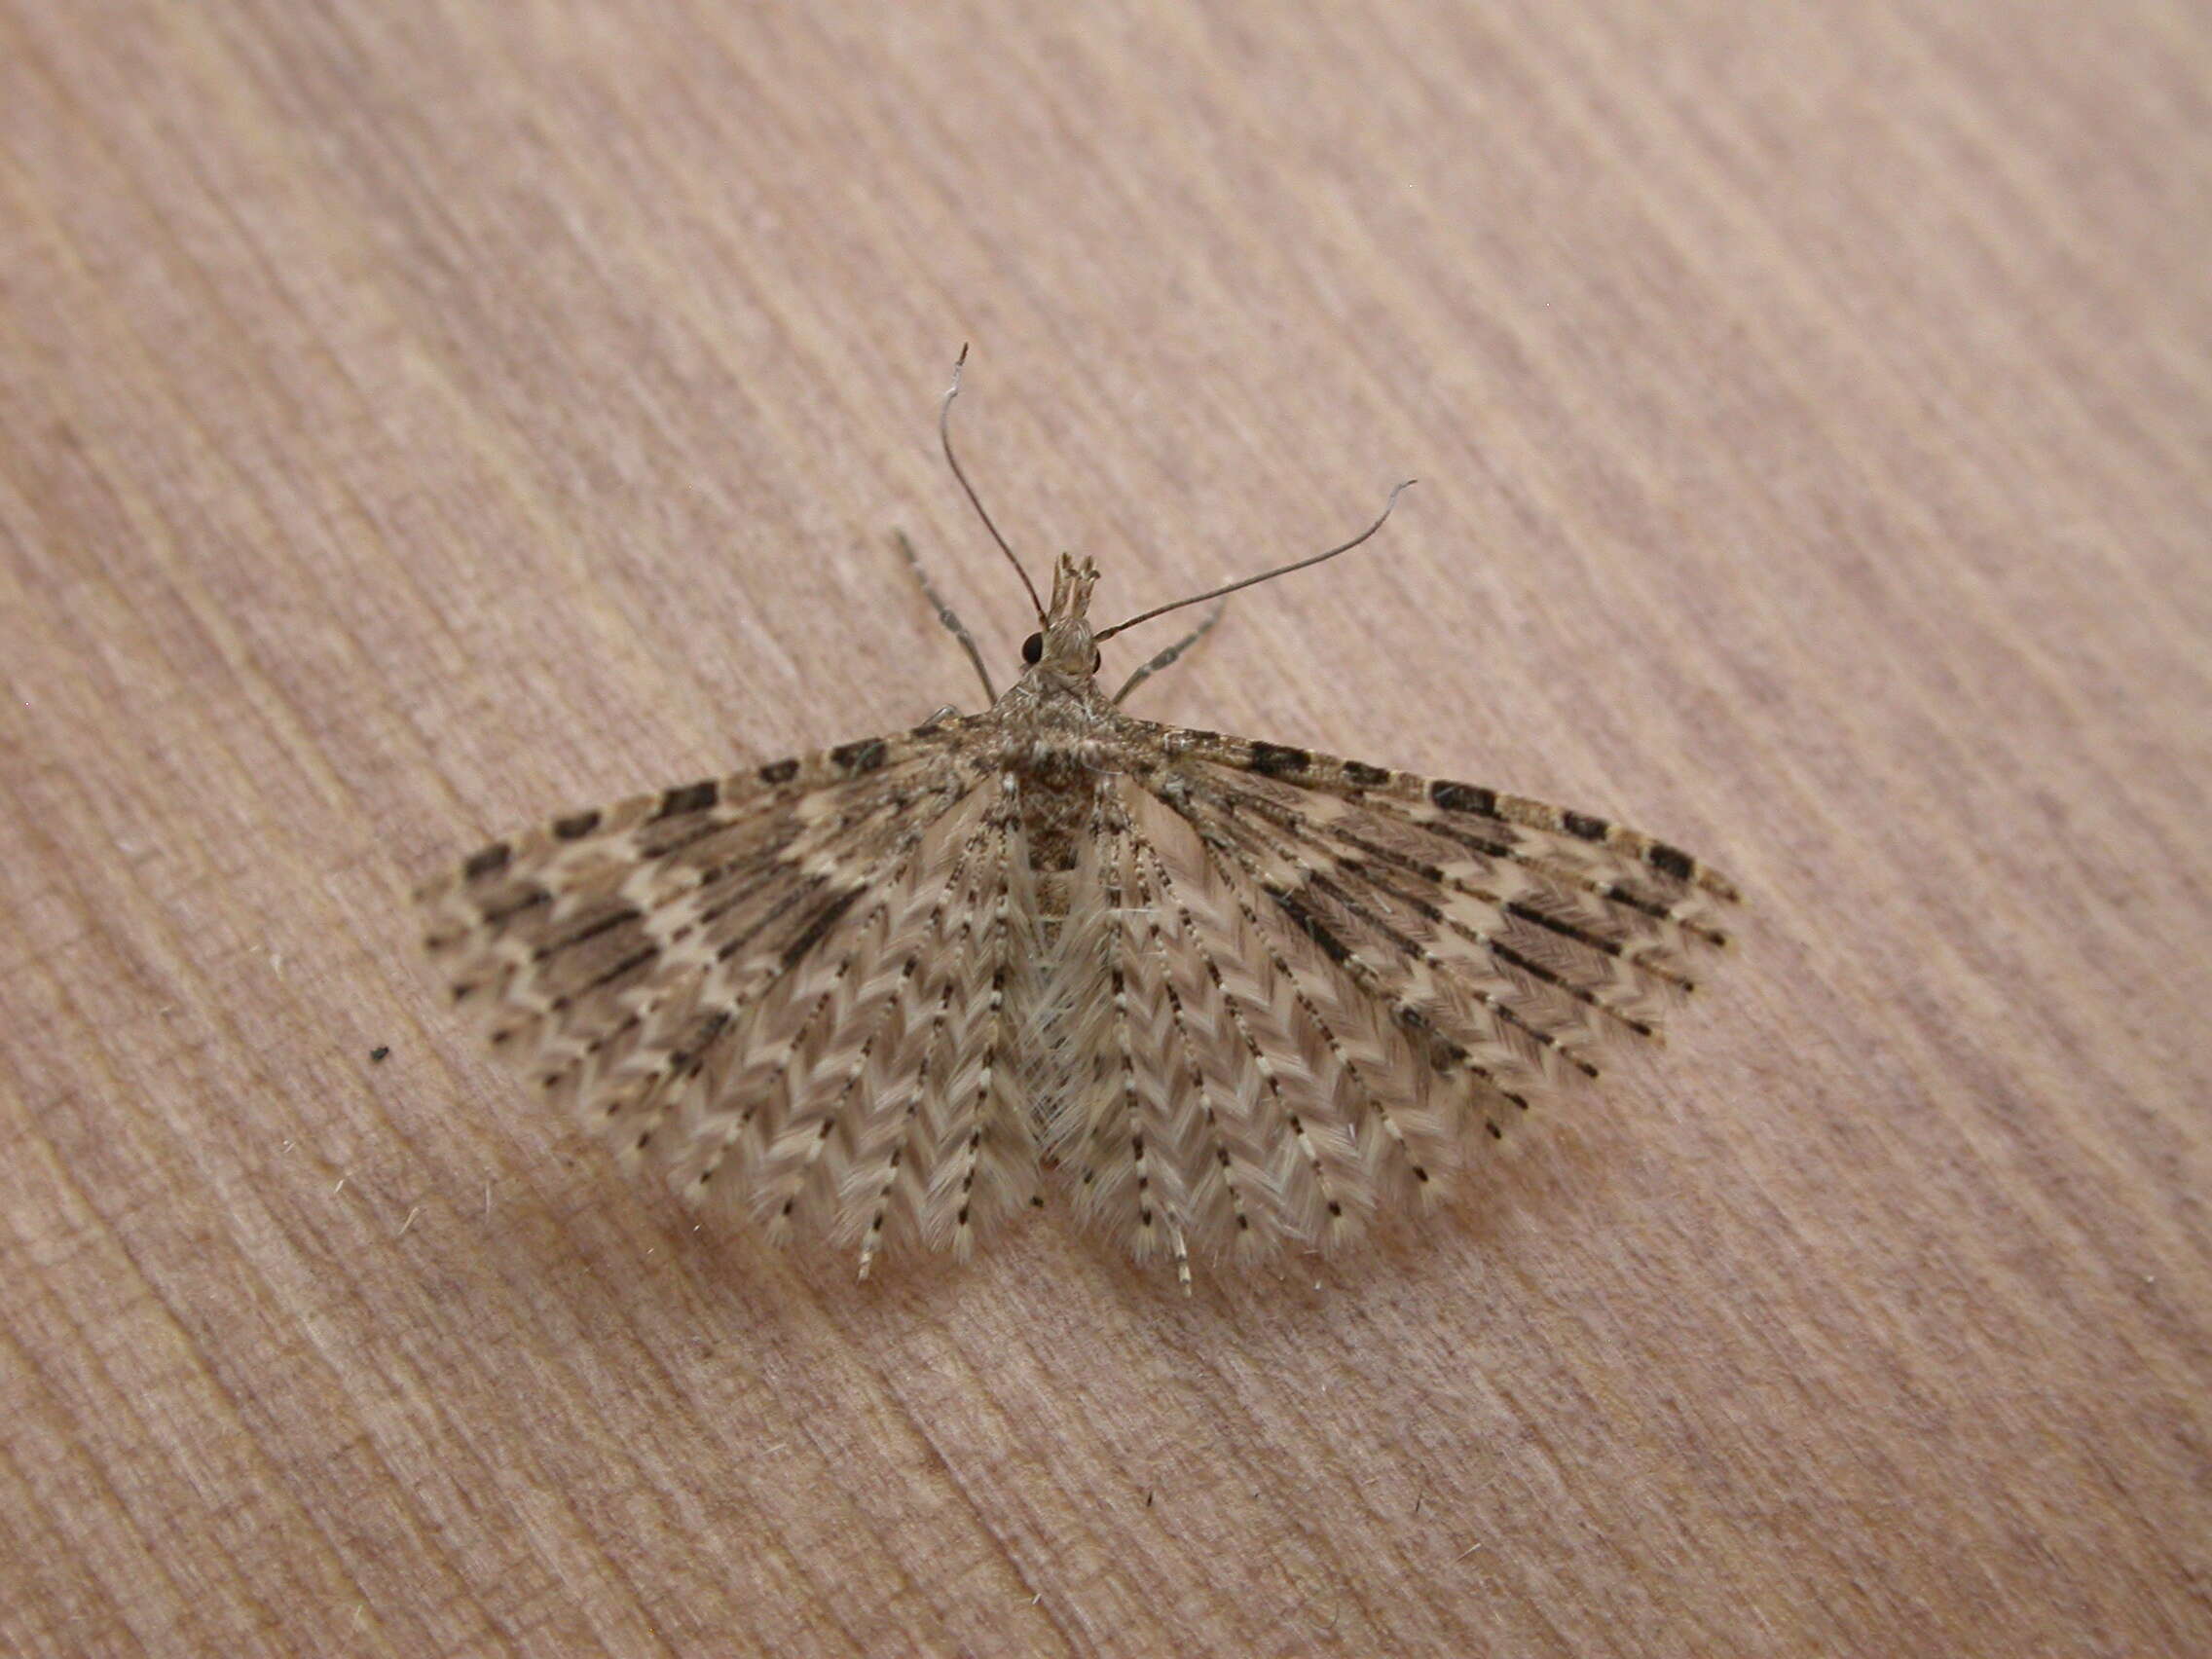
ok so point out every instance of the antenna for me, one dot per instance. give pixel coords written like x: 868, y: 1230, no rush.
x: 1264, y: 576
x: 944, y: 436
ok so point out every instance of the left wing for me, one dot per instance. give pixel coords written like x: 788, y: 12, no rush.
x: 776, y: 983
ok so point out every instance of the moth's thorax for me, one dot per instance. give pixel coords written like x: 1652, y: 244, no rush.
x: 1053, y: 709
x: 1062, y: 739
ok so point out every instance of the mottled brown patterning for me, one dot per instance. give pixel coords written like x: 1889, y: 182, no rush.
x: 1218, y: 993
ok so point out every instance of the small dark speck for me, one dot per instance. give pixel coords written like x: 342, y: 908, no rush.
x: 380, y: 1052
x: 1276, y: 760
x: 691, y: 797
x: 489, y: 862
x: 863, y: 756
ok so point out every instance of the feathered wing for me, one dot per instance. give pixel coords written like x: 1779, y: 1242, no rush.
x: 1276, y: 992
x: 792, y: 987
x: 1313, y: 980
x: 1220, y: 1084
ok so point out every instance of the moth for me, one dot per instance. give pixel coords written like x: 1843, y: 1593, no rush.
x: 1222, y: 996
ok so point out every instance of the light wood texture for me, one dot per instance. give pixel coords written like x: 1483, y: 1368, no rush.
x: 416, y: 419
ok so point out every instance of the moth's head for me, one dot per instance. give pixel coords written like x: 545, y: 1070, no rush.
x: 1064, y: 647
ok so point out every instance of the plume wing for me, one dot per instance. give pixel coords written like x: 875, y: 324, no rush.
x: 728, y: 979
x: 1218, y: 1084
x: 1587, y: 928
x: 1313, y: 981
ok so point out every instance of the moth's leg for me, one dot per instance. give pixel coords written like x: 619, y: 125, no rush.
x: 1171, y: 652
x: 946, y: 712
x: 945, y: 613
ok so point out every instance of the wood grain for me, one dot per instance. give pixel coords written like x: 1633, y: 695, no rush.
x: 418, y: 419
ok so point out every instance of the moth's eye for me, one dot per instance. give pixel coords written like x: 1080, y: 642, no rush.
x: 1033, y: 647
x: 1097, y: 656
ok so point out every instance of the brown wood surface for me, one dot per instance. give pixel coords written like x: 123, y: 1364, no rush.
x: 416, y: 419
